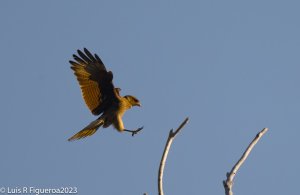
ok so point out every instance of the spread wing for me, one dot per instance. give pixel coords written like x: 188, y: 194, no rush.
x: 95, y: 81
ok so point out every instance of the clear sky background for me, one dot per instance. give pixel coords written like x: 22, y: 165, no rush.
x: 231, y: 66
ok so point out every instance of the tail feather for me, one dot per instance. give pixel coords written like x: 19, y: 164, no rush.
x: 88, y: 130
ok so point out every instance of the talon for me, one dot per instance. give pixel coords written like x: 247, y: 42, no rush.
x: 133, y: 132
x: 136, y: 131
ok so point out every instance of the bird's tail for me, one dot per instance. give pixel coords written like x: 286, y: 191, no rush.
x: 88, y: 130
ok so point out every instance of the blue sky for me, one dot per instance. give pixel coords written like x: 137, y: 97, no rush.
x: 231, y: 66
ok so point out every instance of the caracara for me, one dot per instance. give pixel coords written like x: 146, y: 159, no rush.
x: 100, y: 95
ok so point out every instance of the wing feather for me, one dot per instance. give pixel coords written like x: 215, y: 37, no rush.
x: 98, y: 59
x: 78, y: 59
x: 84, y: 57
x: 89, y: 55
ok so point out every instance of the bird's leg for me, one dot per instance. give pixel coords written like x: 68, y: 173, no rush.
x: 133, y: 132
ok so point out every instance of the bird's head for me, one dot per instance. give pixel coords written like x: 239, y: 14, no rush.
x: 132, y: 100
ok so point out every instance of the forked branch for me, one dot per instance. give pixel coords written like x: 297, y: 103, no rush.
x: 165, y: 154
x: 228, y: 183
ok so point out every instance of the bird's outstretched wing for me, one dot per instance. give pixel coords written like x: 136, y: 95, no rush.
x: 95, y: 81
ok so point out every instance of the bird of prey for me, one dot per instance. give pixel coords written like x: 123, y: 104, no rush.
x: 100, y: 95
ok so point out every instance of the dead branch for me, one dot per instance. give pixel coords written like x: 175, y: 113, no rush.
x: 230, y: 176
x: 165, y: 154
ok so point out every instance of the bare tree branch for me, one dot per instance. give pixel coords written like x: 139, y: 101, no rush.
x: 230, y: 176
x: 165, y: 154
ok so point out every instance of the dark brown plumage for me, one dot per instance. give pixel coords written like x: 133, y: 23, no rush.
x: 99, y: 94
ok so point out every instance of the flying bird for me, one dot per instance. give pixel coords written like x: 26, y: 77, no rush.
x: 100, y: 95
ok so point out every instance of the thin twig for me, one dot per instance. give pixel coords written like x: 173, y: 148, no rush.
x: 230, y: 176
x: 165, y: 154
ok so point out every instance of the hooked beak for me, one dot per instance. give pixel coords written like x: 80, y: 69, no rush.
x: 139, y: 104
